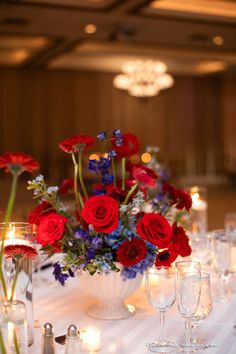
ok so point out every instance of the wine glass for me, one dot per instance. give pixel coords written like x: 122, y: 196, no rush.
x: 160, y: 290
x: 203, y: 310
x: 188, y: 288
x: 221, y: 261
x: 230, y: 230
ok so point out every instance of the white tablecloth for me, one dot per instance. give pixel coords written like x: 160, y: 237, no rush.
x: 67, y: 305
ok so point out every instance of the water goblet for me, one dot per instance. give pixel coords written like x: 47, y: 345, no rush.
x: 230, y: 230
x: 203, y: 310
x: 160, y: 290
x: 221, y: 261
x: 188, y: 288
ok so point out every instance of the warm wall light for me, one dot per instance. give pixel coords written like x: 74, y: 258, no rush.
x: 218, y: 40
x: 90, y: 28
x: 146, y: 157
x: 143, y: 78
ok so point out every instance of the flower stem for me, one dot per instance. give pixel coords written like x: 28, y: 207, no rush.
x: 81, y: 176
x: 8, y: 213
x: 2, y: 346
x: 123, y: 163
x: 16, y: 342
x: 13, y: 287
x: 113, y: 165
x: 130, y: 193
x: 79, y: 200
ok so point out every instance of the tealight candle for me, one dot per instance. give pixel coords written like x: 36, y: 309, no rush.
x: 90, y: 338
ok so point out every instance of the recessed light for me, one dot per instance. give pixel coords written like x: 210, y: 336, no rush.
x: 90, y: 28
x: 218, y: 40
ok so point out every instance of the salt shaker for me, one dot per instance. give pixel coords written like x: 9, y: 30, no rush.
x: 72, y: 341
x: 48, y: 339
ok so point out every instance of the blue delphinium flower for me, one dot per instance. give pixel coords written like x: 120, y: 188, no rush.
x: 102, y: 136
x: 118, y: 137
x: 93, y: 165
x: 61, y: 275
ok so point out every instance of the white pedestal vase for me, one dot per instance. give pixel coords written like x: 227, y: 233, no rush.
x: 110, y: 292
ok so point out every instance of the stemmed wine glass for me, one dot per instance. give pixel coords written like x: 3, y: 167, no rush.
x: 188, y: 288
x: 203, y: 310
x: 160, y: 290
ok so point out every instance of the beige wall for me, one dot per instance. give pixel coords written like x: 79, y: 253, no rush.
x: 193, y: 123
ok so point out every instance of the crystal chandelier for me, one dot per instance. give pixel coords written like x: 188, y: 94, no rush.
x: 143, y: 78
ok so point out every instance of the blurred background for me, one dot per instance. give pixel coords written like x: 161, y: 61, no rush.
x: 58, y: 61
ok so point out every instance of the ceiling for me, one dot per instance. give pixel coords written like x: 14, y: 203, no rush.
x: 193, y: 37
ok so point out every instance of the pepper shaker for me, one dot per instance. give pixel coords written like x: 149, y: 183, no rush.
x: 48, y: 339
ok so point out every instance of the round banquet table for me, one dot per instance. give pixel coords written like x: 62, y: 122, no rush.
x: 67, y: 305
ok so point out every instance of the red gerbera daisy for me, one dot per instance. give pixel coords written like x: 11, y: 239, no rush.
x: 131, y: 252
x: 77, y: 143
x: 130, y: 146
x: 21, y: 251
x: 18, y: 162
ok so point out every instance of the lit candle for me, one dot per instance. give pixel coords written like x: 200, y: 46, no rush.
x: 12, y: 238
x: 11, y: 332
x: 91, y: 338
x: 198, y: 203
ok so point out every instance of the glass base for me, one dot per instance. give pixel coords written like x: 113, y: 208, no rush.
x: 196, y: 344
x: 162, y: 347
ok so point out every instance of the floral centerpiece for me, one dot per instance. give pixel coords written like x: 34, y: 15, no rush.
x: 107, y: 225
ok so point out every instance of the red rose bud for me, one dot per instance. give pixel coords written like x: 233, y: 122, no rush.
x: 51, y: 228
x: 102, y: 213
x: 156, y: 229
x: 77, y: 143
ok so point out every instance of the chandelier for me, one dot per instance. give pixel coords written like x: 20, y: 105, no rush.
x: 143, y: 78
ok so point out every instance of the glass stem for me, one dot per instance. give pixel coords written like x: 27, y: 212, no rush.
x: 188, y: 326
x: 162, y: 337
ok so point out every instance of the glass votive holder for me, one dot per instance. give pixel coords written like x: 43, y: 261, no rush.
x: 198, y: 213
x: 13, y: 327
x: 230, y: 230
x: 20, y: 234
x: 91, y: 339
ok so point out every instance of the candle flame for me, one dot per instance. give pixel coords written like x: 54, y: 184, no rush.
x: 11, y: 232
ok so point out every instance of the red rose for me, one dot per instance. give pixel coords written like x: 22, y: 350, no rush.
x: 155, y: 229
x: 180, y: 241
x: 51, y: 228
x: 130, y: 145
x: 165, y: 258
x: 77, y: 143
x: 42, y: 209
x: 101, y: 212
x: 131, y: 252
x: 18, y: 162
x: 67, y: 184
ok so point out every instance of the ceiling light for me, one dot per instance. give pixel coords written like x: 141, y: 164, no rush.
x: 143, y: 78
x: 90, y: 28
x: 218, y: 40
